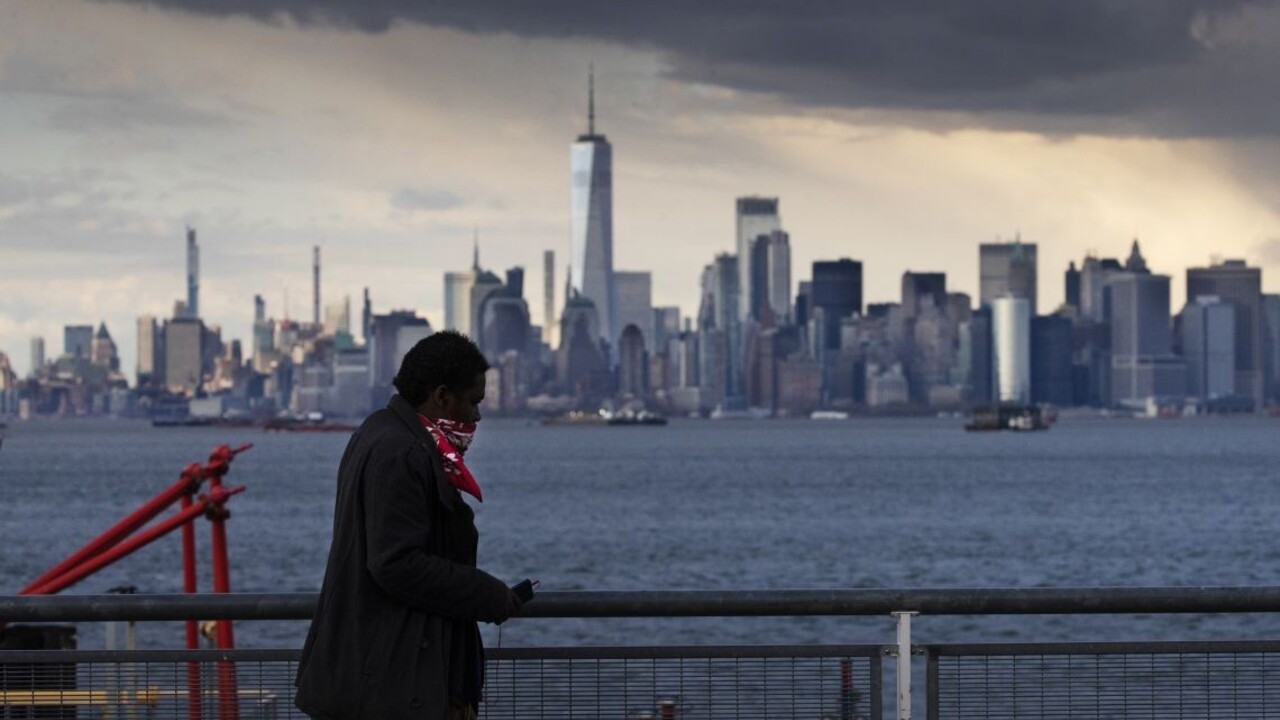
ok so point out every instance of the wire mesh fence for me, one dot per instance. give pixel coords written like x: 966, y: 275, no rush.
x: 803, y: 682
x: 690, y: 683
x: 1105, y: 680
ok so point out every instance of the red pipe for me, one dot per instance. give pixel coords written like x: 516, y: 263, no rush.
x: 228, y: 697
x: 194, y: 701
x: 187, y: 483
x: 127, y: 547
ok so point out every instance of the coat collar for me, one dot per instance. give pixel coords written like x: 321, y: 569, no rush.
x: 409, y: 416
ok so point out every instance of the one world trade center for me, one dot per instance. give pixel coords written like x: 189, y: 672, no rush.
x: 591, y: 245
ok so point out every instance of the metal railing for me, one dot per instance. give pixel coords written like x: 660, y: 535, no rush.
x: 1059, y: 680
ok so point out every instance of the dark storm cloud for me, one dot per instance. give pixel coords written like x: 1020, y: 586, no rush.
x: 1111, y: 66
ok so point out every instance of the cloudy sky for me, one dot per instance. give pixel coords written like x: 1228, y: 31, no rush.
x: 901, y: 133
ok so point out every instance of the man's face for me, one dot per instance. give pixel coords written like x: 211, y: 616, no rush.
x: 465, y: 406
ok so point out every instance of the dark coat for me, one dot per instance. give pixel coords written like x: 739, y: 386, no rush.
x: 401, y: 591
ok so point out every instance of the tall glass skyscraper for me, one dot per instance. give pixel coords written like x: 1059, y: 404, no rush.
x: 591, y: 244
x: 755, y: 216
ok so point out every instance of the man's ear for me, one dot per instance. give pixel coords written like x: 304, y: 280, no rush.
x: 440, y: 396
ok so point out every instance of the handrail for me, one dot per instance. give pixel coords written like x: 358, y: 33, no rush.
x: 682, y: 603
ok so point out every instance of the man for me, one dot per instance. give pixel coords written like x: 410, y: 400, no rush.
x: 394, y: 634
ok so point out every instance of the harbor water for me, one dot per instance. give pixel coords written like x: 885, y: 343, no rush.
x: 705, y: 505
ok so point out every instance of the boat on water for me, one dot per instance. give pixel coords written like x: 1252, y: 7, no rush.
x: 828, y: 415
x: 1008, y: 416
x: 643, y: 417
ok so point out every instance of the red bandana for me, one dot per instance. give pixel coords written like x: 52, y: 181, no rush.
x: 452, y: 438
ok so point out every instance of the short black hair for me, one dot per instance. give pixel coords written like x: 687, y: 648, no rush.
x: 446, y: 358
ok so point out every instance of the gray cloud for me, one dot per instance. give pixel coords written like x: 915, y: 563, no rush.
x: 413, y: 200
x: 1163, y: 67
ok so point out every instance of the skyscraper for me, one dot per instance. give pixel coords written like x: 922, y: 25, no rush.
x: 1007, y: 268
x: 755, y: 216
x: 549, y: 297
x: 77, y: 340
x: 1209, y: 344
x: 591, y: 220
x: 918, y: 286
x: 37, y: 355
x: 1011, y: 322
x: 149, y: 360
x: 1142, y: 360
x: 457, y: 294
x: 193, y: 275
x: 315, y: 285
x: 836, y: 292
x: 634, y: 295
x: 1235, y: 282
x: 1271, y: 344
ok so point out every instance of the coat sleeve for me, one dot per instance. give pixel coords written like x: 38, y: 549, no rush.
x: 396, y: 527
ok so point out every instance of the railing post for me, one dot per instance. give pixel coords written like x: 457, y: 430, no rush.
x: 904, y: 663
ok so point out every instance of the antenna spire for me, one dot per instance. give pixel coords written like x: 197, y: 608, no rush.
x: 591, y: 99
x: 475, y: 249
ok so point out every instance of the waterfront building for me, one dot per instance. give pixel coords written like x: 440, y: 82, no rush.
x: 1235, y: 282
x: 634, y: 294
x: 37, y: 356
x: 77, y: 341
x: 149, y: 361
x: 799, y: 385
x: 886, y: 385
x: 837, y: 292
x: 916, y: 286
x: 1007, y: 269
x: 724, y: 294
x: 184, y: 352
x: 581, y: 365
x: 1011, y: 335
x: 1208, y: 346
x: 981, y: 369
x: 1051, y: 363
x: 591, y: 221
x: 264, y: 330
x: 1271, y: 345
x: 632, y: 363
x: 1142, y: 361
x: 755, y: 216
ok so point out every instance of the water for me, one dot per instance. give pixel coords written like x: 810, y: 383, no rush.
x: 718, y: 506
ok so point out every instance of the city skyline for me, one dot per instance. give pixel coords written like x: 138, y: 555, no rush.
x: 123, y: 141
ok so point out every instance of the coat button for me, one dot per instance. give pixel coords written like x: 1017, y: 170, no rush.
x: 415, y: 703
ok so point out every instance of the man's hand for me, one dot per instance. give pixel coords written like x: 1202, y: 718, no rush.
x: 512, y: 608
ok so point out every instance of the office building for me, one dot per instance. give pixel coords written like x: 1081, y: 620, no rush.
x: 77, y: 341
x: 192, y: 308
x: 977, y: 362
x: 37, y: 355
x: 836, y: 292
x: 591, y: 222
x: 770, y: 292
x: 457, y: 294
x: 918, y: 288
x: 1051, y: 366
x: 634, y: 294
x: 755, y: 216
x: 1235, y: 282
x: 1011, y: 325
x: 184, y: 351
x: 393, y: 335
x: 1209, y: 347
x: 1071, y: 283
x: 1271, y: 345
x: 1007, y: 269
x: 1142, y: 362
x: 549, y: 324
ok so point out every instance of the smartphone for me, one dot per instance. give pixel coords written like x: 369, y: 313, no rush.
x: 524, y: 589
